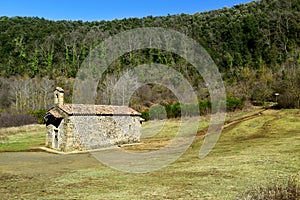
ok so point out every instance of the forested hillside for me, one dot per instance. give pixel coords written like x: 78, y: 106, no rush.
x: 256, y: 47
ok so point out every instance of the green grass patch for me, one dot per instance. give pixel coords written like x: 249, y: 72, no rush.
x: 22, y: 142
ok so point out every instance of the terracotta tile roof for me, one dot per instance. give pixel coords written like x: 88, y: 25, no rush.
x: 85, y: 109
x: 55, y: 113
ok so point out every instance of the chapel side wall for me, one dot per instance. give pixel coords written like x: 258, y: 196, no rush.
x: 73, y: 138
x: 95, y: 132
x: 130, y: 129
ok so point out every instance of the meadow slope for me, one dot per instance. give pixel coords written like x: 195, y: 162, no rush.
x: 250, y: 153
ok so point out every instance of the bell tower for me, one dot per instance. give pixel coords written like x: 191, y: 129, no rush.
x: 59, y: 96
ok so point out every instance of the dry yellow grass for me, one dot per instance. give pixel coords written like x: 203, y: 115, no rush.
x: 22, y: 129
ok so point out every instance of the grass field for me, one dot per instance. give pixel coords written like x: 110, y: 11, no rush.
x: 22, y: 138
x: 252, y: 152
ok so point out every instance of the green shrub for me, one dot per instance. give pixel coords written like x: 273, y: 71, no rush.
x: 234, y: 103
x: 157, y: 112
x: 145, y: 115
x: 189, y: 110
x: 169, y: 111
x: 204, y: 107
x: 176, y: 108
x: 38, y: 114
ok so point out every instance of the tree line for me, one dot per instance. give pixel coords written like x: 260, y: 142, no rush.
x: 256, y: 34
x: 255, y: 45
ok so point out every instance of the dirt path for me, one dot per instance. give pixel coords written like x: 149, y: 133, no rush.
x: 232, y: 123
x: 32, y: 173
x: 42, y: 163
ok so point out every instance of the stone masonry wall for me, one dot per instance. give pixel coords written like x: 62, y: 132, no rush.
x: 62, y: 134
x: 50, y: 134
x: 95, y: 132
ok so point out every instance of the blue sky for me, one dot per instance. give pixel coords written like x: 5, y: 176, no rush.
x: 90, y: 10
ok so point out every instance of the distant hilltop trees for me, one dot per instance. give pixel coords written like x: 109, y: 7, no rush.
x: 256, y: 47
